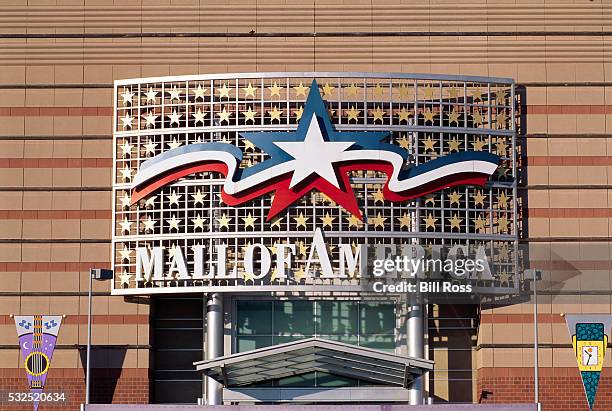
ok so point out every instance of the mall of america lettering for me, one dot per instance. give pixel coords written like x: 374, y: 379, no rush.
x: 354, y: 262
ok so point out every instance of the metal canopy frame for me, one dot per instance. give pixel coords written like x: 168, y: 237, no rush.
x: 313, y: 354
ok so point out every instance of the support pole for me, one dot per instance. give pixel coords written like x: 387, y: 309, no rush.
x: 414, y: 339
x: 214, y: 344
x: 88, y: 367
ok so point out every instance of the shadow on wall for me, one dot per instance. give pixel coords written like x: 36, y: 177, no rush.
x: 106, y: 364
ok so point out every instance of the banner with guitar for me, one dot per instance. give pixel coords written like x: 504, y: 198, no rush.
x: 37, y: 338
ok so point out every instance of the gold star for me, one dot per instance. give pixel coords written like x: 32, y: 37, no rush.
x: 404, y: 142
x: 300, y: 220
x: 378, y: 114
x: 175, y: 117
x: 125, y: 200
x: 428, y: 115
x: 126, y: 149
x: 275, y: 90
x: 249, y: 221
x: 453, y: 145
x: 480, y: 223
x: 478, y: 198
x: 150, y: 119
x: 198, y: 222
x: 224, y: 91
x: 352, y: 114
x: 224, y: 115
x: 125, y: 225
x: 199, y: 92
x: 149, y: 224
x: 151, y: 95
x: 500, y: 97
x: 430, y: 198
x: 174, y: 143
x: 455, y: 197
x: 504, y: 277
x: 174, y: 198
x: 246, y: 276
x: 327, y: 220
x: 479, y: 144
x: 174, y: 223
x: 175, y: 94
x: 127, y: 96
x: 249, y: 91
x: 126, y: 121
x: 125, y: 253
x: 504, y: 253
x: 455, y: 221
x: 248, y: 145
x: 199, y: 116
x: 125, y: 278
x: 223, y: 221
x: 198, y: 197
x: 379, y: 220
x: 298, y: 113
x: 404, y: 220
x: 249, y: 115
x: 429, y: 144
x: 500, y: 120
x: 352, y: 90
x: 275, y: 113
x: 502, y: 224
x: 302, y: 249
x: 300, y: 90
x: 403, y: 91
x: 430, y: 222
x: 378, y: 91
x: 476, y: 93
x: 502, y: 200
x: 126, y: 173
x: 354, y: 221
x: 453, y: 92
x: 429, y: 92
x: 501, y: 147
x: 378, y: 196
x: 299, y: 275
x: 404, y: 115
x: 477, y: 117
x: 453, y: 117
x: 277, y: 222
x: 328, y: 90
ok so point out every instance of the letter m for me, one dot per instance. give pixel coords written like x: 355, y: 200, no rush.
x: 148, y: 264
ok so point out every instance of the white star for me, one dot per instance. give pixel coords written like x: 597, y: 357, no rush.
x: 127, y: 120
x: 150, y: 119
x: 149, y: 224
x: 198, y: 197
x: 199, y: 116
x: 174, y: 198
x: 125, y: 253
x: 151, y: 95
x: 125, y: 200
x: 199, y: 92
x: 150, y: 147
x: 175, y: 143
x: 127, y: 96
x: 314, y: 146
x: 198, y: 222
x: 125, y: 278
x: 174, y: 223
x: 126, y: 173
x: 175, y: 94
x: 150, y: 202
x: 175, y: 117
x: 126, y: 149
x: 125, y: 225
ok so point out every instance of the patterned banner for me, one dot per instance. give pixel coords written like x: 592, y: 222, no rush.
x: 590, y: 336
x: 37, y: 338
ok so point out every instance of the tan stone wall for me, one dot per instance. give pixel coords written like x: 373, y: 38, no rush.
x: 58, y: 60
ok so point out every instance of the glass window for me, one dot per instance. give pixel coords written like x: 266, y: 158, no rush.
x: 337, y: 318
x: 377, y: 318
x: 254, y: 317
x: 294, y: 318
